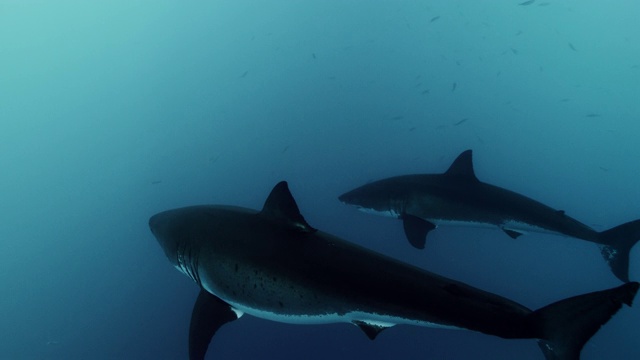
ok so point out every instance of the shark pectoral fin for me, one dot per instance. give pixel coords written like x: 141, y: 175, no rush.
x: 370, y: 329
x: 282, y: 206
x: 209, y: 314
x: 512, y: 233
x: 416, y: 230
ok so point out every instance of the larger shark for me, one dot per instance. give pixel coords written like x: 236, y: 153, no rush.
x: 273, y: 265
x: 457, y: 197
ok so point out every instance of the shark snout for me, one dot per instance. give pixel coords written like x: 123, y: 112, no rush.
x: 347, y: 198
x: 153, y: 223
x: 161, y: 225
x: 356, y: 197
x: 156, y: 223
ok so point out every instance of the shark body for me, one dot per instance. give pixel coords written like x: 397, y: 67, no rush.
x: 457, y: 197
x: 273, y: 265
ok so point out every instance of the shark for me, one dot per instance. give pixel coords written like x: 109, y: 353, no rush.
x: 457, y: 197
x: 272, y: 264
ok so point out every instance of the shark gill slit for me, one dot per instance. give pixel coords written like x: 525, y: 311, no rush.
x: 193, y: 264
x: 187, y: 263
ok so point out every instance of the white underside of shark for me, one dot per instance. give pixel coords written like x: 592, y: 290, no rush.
x: 519, y: 226
x: 379, y: 320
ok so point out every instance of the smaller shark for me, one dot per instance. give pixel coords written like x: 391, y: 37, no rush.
x: 457, y: 197
x: 273, y: 265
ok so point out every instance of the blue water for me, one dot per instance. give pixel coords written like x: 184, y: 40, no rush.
x: 112, y: 111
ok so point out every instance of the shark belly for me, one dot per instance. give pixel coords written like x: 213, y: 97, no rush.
x: 276, y: 296
x: 296, y: 312
x: 457, y: 218
x: 512, y: 224
x: 332, y: 318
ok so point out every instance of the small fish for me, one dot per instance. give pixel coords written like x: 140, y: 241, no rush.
x: 285, y: 149
x: 313, y: 55
x: 461, y: 122
x: 572, y: 47
x: 425, y: 92
x: 592, y: 115
x: 527, y: 2
x: 514, y: 51
x: 412, y: 129
x: 244, y: 74
x: 435, y: 18
x: 565, y: 100
x: 519, y: 33
x: 156, y: 182
x: 544, y: 4
x: 454, y: 86
x: 397, y: 117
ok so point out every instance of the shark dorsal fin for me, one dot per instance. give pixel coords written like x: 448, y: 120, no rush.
x: 282, y: 206
x: 462, y: 166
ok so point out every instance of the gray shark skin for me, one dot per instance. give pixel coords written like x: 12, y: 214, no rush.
x: 273, y: 265
x: 457, y: 197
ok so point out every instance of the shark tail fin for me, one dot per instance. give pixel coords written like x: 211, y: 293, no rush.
x: 565, y: 326
x: 616, y: 244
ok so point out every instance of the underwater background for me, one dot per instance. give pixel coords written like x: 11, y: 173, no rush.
x: 113, y: 111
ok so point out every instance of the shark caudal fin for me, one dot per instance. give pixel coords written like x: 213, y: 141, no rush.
x: 616, y: 245
x: 565, y: 326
